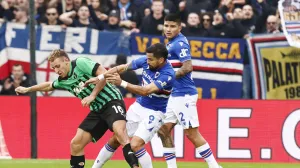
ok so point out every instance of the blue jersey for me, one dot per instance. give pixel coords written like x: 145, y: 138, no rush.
x: 163, y: 78
x: 179, y: 52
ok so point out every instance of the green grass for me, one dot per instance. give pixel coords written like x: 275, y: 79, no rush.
x: 18, y: 163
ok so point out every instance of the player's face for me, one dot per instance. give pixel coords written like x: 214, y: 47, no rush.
x: 60, y: 66
x: 153, y: 62
x: 171, y: 29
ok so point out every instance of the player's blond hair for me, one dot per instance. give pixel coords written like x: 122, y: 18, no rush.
x: 58, y: 53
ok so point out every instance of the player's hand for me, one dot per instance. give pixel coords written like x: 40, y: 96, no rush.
x: 21, y: 90
x: 87, y: 101
x: 114, y: 79
x: 94, y: 80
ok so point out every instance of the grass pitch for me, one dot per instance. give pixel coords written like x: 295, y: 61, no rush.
x: 17, y: 163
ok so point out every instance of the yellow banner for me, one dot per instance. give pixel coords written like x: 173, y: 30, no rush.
x: 281, y: 68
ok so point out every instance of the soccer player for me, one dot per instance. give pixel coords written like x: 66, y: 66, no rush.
x: 182, y: 102
x: 105, y: 102
x: 145, y: 116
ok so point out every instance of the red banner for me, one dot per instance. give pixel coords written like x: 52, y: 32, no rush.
x: 237, y: 130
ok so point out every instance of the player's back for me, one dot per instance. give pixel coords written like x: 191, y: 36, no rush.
x: 179, y: 52
x: 163, y: 78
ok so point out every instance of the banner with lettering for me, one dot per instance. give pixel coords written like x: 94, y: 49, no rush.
x: 275, y: 67
x: 289, y: 11
x: 217, y: 63
x: 102, y: 47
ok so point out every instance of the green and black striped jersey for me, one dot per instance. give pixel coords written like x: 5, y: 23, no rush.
x: 81, y: 70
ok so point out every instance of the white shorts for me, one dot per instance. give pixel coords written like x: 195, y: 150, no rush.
x: 143, y: 122
x: 183, y: 110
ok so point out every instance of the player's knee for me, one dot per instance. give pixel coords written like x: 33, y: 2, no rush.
x: 122, y: 137
x: 76, y: 146
x: 136, y: 143
x: 163, y: 133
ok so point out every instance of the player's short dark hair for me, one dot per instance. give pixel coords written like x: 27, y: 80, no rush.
x: 158, y: 50
x: 173, y: 17
x: 58, y: 53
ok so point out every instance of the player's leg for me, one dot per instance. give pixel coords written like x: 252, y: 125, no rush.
x: 114, y: 115
x: 78, y: 143
x: 145, y: 132
x: 188, y: 117
x: 165, y: 135
x: 168, y: 146
x: 92, y: 128
x: 106, y: 152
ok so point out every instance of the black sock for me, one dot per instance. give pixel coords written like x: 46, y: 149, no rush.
x: 77, y: 161
x: 130, y: 156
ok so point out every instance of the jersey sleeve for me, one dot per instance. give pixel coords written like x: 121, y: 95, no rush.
x: 56, y: 85
x: 182, y: 51
x: 87, y: 65
x: 164, y: 80
x: 138, y: 63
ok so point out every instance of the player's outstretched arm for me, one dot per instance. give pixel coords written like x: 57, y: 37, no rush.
x: 136, y: 89
x: 118, y: 69
x: 44, y: 87
x: 186, y: 67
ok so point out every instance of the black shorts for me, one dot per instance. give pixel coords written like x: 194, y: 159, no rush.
x: 97, y: 123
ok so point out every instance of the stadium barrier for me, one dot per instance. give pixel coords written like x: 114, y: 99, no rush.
x: 237, y: 130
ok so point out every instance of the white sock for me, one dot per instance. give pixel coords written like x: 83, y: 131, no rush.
x: 104, y: 155
x: 144, y: 158
x: 208, y: 156
x: 170, y: 157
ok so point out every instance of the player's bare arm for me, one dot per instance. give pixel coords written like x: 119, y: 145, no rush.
x: 99, y: 86
x: 136, y: 89
x: 43, y: 87
x: 118, y: 69
x: 185, y: 68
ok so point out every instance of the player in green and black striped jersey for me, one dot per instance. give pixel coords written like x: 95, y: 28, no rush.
x: 105, y: 101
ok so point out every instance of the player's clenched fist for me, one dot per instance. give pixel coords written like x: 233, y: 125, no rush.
x: 21, y: 90
x: 87, y: 101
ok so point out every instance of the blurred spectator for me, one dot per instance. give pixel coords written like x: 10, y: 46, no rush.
x: 51, y: 17
x: 82, y: 21
x: 7, y: 10
x: 69, y: 5
x: 145, y: 9
x: 21, y: 15
x: 127, y: 75
x: 272, y: 24
x: 77, y: 4
x: 22, y: 2
x: 193, y: 26
x: 153, y: 24
x: 102, y: 6
x: 220, y: 28
x: 195, y: 6
x: 17, y: 78
x: 113, y: 19
x: 206, y: 20
x: 128, y: 14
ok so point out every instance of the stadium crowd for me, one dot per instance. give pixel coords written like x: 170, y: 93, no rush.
x: 201, y: 18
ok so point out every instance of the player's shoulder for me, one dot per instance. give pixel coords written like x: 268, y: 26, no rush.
x: 141, y: 60
x: 82, y: 59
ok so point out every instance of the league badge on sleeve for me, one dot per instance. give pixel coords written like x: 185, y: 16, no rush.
x: 290, y: 20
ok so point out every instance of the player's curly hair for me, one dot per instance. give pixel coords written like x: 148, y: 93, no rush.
x: 58, y: 53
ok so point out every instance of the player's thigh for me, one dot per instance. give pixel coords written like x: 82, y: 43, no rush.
x: 81, y: 138
x: 186, y: 111
x: 170, y: 115
x: 150, y: 125
x: 94, y: 125
x: 112, y: 112
x: 135, y: 114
